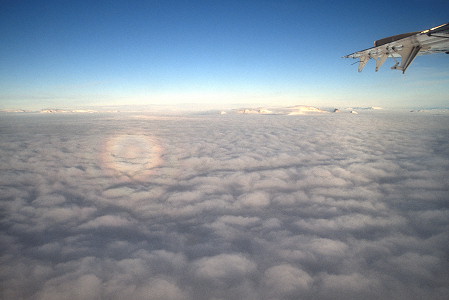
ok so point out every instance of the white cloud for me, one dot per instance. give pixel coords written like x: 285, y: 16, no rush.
x: 224, y: 266
x: 224, y: 207
x: 347, y: 284
x: 256, y: 199
x: 285, y: 280
x: 106, y: 221
x: 84, y: 287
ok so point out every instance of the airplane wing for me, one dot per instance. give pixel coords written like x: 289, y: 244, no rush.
x: 406, y: 46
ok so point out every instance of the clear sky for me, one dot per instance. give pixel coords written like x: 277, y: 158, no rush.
x: 69, y: 54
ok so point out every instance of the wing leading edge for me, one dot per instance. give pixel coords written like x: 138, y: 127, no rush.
x: 407, y: 46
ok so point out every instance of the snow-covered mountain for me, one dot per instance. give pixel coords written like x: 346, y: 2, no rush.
x: 292, y: 110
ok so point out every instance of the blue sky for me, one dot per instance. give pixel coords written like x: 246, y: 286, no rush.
x: 72, y: 54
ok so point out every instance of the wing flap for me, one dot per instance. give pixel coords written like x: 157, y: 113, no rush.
x: 408, y: 54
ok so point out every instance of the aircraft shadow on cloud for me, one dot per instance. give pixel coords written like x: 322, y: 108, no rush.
x: 407, y: 46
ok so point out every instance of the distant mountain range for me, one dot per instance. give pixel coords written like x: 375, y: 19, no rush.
x: 296, y: 110
x: 163, y: 110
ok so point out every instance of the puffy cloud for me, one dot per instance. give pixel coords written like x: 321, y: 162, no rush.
x: 224, y: 207
x: 347, y: 285
x: 256, y: 199
x: 106, y: 221
x: 286, y: 280
x: 223, y: 267
x: 84, y: 287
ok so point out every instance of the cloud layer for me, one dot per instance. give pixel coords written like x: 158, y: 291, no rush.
x: 224, y: 207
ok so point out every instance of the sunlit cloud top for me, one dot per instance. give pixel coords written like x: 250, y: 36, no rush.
x: 324, y: 206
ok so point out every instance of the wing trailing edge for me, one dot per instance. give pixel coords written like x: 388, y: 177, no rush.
x: 405, y: 46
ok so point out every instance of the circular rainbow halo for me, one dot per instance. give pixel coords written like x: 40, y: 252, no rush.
x: 132, y: 156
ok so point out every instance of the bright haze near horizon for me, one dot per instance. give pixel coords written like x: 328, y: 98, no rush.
x: 212, y: 54
x: 293, y: 202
